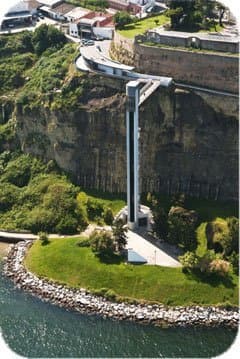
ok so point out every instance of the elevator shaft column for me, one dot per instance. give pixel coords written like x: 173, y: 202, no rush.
x: 132, y: 116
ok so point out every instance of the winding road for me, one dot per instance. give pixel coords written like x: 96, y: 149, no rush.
x: 96, y: 59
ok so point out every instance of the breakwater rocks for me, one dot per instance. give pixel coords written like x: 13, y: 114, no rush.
x: 82, y: 301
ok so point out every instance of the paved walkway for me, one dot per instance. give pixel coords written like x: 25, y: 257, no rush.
x: 151, y: 253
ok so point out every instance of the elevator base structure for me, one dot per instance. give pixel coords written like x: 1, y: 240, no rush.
x: 144, y: 218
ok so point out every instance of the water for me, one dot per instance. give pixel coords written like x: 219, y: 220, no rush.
x: 36, y: 329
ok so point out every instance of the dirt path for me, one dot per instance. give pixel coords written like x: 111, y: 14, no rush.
x: 4, y: 247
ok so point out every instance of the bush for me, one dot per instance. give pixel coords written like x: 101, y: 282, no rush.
x: 108, y: 216
x: 43, y: 237
x: 219, y: 267
x: 205, y: 260
x: 160, y: 226
x: 234, y: 260
x: 119, y: 234
x: 94, y: 209
x: 102, y: 243
x: 20, y: 170
x: 122, y: 18
x: 9, y: 195
x: 83, y: 242
x: 40, y: 219
x: 67, y: 225
x: 189, y: 260
x: 110, y: 294
x: 223, y: 235
x: 182, y: 233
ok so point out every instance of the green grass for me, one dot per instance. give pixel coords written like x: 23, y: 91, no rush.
x: 213, y: 28
x: 65, y: 262
x: 189, y: 49
x: 202, y: 239
x: 114, y: 201
x: 141, y: 26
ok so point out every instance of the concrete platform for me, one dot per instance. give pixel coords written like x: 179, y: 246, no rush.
x: 153, y: 254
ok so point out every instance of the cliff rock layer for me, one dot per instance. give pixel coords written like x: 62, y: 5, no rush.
x: 188, y: 141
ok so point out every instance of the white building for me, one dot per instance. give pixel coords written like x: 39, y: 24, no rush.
x: 19, y: 14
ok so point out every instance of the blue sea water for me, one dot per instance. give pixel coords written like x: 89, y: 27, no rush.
x: 36, y: 329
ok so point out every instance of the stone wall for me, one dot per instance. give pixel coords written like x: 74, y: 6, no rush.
x: 188, y: 141
x: 200, y: 68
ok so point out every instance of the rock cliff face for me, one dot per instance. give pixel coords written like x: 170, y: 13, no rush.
x: 188, y: 141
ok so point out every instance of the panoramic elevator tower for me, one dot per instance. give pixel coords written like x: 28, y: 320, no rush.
x: 137, y: 91
x: 132, y: 119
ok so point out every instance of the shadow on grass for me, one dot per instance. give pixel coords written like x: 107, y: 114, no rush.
x: 45, y: 243
x: 213, y: 279
x: 111, y: 258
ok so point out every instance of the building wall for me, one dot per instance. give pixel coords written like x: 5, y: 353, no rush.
x: 73, y: 29
x: 106, y: 32
x: 206, y: 44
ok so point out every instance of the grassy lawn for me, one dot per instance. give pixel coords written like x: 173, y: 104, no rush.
x: 113, y: 201
x: 141, y: 26
x: 63, y: 261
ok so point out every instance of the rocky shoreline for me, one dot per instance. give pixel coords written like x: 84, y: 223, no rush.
x: 82, y: 301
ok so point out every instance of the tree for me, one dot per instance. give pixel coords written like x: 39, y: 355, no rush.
x: 221, y: 11
x: 122, y: 18
x: 108, y: 216
x: 175, y: 15
x: 160, y: 226
x: 230, y: 240
x: 206, y: 10
x: 178, y: 199
x: 119, y: 234
x: 47, y: 36
x: 182, y: 232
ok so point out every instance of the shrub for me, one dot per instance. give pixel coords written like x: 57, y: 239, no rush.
x: 234, y: 260
x: 122, y: 18
x: 20, y: 170
x: 83, y: 242
x: 110, y: 294
x: 189, y: 260
x: 215, y: 231
x: 205, y: 260
x: 9, y: 195
x: 67, y: 225
x: 40, y: 219
x: 102, y: 243
x: 182, y: 233
x: 223, y: 235
x: 219, y: 267
x: 94, y: 209
x: 160, y: 226
x: 108, y: 216
x: 119, y: 234
x: 43, y: 237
